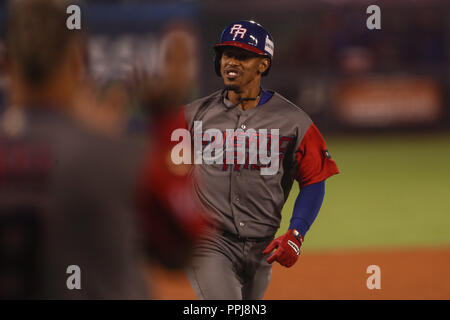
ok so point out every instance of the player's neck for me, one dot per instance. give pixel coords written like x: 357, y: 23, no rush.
x: 25, y: 95
x: 58, y: 90
x: 246, y: 98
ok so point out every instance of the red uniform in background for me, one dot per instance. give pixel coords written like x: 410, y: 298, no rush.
x: 172, y: 219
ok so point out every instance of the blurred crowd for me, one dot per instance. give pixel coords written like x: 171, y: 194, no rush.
x: 416, y: 38
x: 318, y: 46
x: 339, y: 70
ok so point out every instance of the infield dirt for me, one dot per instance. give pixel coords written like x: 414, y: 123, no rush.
x: 405, y: 274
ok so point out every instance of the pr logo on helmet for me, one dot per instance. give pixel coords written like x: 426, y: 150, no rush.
x: 238, y: 31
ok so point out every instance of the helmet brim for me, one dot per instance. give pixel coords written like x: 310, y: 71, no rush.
x: 242, y: 46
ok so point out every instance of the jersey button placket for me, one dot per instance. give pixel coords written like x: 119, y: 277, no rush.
x: 234, y: 186
x: 243, y: 126
x: 235, y: 182
x: 242, y: 122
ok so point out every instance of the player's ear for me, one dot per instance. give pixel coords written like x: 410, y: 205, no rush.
x: 263, y: 65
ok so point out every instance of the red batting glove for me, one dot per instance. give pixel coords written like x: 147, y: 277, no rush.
x: 288, y: 248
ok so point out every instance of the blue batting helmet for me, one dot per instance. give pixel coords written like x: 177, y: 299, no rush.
x: 247, y: 35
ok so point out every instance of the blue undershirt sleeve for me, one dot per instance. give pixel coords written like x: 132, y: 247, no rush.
x: 307, y: 206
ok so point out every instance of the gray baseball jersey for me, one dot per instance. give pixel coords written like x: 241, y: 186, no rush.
x: 238, y: 197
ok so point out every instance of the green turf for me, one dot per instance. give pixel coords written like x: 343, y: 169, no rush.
x: 392, y: 191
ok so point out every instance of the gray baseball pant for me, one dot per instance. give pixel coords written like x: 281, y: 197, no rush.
x: 227, y: 268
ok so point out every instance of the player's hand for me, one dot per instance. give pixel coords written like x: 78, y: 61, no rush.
x: 287, y: 248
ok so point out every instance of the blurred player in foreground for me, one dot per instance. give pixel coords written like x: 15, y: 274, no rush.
x: 244, y: 203
x: 69, y: 194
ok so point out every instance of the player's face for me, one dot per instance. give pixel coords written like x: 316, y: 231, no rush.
x: 240, y: 68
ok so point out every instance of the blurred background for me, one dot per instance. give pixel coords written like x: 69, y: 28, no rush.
x: 381, y: 98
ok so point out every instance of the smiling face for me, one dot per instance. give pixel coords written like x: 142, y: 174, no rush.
x: 241, y: 68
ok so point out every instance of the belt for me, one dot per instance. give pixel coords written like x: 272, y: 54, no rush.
x: 236, y: 237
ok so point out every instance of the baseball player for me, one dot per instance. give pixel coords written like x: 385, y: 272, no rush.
x: 68, y: 194
x: 244, y: 203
